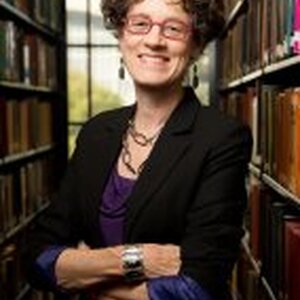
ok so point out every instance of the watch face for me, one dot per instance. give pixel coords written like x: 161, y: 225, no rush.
x: 134, y: 276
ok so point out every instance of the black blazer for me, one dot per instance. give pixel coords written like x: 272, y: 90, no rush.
x: 191, y: 191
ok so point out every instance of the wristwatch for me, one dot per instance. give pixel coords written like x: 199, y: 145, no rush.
x: 132, y: 262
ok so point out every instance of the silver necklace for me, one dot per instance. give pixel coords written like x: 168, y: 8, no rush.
x: 140, y: 138
x: 126, y: 157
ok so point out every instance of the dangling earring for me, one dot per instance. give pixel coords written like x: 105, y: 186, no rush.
x: 195, y: 76
x: 121, y: 69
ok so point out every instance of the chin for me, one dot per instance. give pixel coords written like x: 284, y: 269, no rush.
x: 156, y: 81
x: 154, y: 84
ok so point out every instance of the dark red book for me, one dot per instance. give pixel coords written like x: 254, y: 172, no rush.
x: 255, y: 190
x: 292, y: 260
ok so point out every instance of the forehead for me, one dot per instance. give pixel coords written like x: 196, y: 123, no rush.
x: 159, y: 8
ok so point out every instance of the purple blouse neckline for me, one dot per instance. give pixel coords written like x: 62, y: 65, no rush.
x: 113, y: 208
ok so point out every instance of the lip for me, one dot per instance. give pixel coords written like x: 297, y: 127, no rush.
x: 155, y: 58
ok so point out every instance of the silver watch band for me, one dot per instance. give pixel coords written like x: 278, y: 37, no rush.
x: 132, y: 262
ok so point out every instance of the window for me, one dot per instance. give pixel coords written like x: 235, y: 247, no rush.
x: 92, y: 50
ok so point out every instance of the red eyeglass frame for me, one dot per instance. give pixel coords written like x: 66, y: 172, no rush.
x: 187, y: 26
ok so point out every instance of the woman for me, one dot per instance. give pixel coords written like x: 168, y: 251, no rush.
x: 154, y: 193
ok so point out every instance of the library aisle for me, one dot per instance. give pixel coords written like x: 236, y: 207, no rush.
x: 260, y: 84
x: 33, y: 149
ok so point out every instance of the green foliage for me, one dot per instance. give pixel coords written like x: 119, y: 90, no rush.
x: 77, y: 98
x: 102, y: 99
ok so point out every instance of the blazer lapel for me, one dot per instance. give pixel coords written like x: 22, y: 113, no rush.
x: 172, y: 144
x: 104, y: 151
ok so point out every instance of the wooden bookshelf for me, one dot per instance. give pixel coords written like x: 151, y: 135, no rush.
x: 22, y: 224
x: 280, y: 189
x: 239, y: 8
x: 255, y: 170
x: 274, y: 184
x: 33, y: 126
x: 25, y: 156
x: 243, y: 81
x: 282, y: 65
x: 259, y: 86
x: 17, y: 87
x: 269, y: 70
x: 9, y: 12
x: 24, y: 292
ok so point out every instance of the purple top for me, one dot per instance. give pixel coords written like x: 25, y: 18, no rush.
x: 112, y: 212
x: 113, y: 208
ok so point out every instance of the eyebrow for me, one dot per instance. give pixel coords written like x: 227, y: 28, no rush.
x: 166, y: 19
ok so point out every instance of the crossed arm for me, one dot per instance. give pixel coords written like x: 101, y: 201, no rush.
x: 83, y: 268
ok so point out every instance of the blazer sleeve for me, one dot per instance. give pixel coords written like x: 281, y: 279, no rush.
x: 214, y: 222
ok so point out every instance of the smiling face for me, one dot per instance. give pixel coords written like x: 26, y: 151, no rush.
x: 152, y: 57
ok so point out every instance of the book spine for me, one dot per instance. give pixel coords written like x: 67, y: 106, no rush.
x: 296, y: 28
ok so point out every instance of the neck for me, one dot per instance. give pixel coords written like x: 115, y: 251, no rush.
x: 154, y: 106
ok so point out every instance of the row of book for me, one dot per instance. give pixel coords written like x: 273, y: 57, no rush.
x: 45, y: 12
x: 274, y: 117
x: 9, y: 269
x: 31, y: 43
x: 23, y: 191
x: 274, y: 227
x: 25, y: 124
x: 13, y: 281
x: 269, y: 32
x: 25, y: 57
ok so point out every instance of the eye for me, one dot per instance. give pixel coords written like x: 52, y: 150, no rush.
x: 139, y: 23
x: 174, y: 27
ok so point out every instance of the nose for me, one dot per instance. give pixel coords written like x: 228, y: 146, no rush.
x: 154, y: 37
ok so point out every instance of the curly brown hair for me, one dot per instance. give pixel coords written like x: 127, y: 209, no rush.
x: 207, y: 16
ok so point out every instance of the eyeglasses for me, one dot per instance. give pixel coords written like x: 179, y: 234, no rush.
x: 170, y: 28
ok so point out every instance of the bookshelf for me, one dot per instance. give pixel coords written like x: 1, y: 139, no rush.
x: 259, y: 85
x: 233, y: 10
x: 33, y: 126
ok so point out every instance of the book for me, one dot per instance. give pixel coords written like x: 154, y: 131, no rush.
x: 292, y: 260
x: 254, y: 200
x: 3, y: 131
x: 294, y: 158
x: 296, y: 28
x: 279, y: 210
x: 7, y: 272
